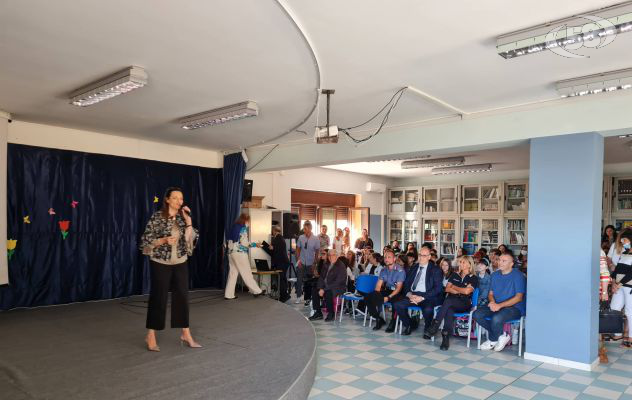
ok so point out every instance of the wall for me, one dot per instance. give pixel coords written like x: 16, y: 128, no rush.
x: 4, y: 264
x: 92, y: 142
x: 276, y: 187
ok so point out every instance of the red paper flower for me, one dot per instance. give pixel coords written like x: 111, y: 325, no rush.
x: 64, y: 225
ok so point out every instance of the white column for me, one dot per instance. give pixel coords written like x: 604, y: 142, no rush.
x: 4, y: 133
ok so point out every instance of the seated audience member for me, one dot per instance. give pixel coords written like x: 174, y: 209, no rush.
x: 484, y: 283
x: 331, y: 283
x: 364, y: 258
x: 434, y: 257
x: 388, y: 288
x: 402, y: 260
x: 411, y: 247
x: 377, y: 264
x: 410, y: 258
x: 459, y: 291
x: 423, y: 287
x: 494, y: 258
x: 507, y: 301
x: 446, y: 268
x: 521, y: 260
x: 395, y: 247
x: 483, y: 252
x: 364, y: 241
x: 352, y: 270
x: 502, y: 248
x: 459, y: 253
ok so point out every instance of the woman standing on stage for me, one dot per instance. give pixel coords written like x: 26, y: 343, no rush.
x: 238, y: 259
x: 169, y: 239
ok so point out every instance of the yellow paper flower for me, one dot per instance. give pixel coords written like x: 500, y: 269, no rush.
x: 155, y: 199
x: 11, y: 244
x: 27, y: 220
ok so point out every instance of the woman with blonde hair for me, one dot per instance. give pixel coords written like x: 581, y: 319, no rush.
x: 459, y: 289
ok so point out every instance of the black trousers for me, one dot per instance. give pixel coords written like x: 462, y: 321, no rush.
x: 165, y: 278
x: 427, y: 310
x: 450, y: 306
x: 283, y: 289
x: 375, y: 300
x: 317, y: 304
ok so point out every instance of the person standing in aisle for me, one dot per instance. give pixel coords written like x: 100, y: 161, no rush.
x: 307, y: 249
x: 364, y: 241
x: 323, y: 237
x: 238, y: 258
x: 338, y: 242
x: 169, y: 239
x: 279, y: 259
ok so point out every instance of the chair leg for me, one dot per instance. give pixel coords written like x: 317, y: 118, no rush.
x: 520, y: 337
x: 469, y: 330
x: 478, y: 336
x: 365, y: 313
x: 341, y: 303
x: 353, y: 309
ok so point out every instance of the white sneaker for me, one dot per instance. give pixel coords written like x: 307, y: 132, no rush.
x: 298, y: 301
x: 502, y: 342
x: 488, y: 345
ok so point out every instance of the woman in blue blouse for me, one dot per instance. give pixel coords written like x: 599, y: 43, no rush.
x: 238, y: 250
x: 388, y: 288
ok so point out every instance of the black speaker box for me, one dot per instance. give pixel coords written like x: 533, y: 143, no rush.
x: 247, y: 192
x: 291, y: 226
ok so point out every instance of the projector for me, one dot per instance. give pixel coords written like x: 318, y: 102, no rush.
x: 326, y: 135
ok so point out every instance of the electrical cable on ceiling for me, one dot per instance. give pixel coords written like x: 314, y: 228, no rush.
x: 392, y: 102
x: 263, y: 158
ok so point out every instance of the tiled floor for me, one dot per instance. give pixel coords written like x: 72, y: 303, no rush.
x: 356, y: 363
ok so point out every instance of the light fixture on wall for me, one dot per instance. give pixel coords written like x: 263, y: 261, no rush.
x: 462, y: 169
x: 597, y: 83
x: 433, y: 162
x: 121, y: 82
x: 555, y: 35
x: 221, y: 115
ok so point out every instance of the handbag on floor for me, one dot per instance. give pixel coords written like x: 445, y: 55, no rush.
x: 610, y: 321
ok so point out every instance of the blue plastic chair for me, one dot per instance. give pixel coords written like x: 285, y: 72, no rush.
x: 364, y: 284
x: 469, y: 315
x: 399, y: 325
x: 520, y: 321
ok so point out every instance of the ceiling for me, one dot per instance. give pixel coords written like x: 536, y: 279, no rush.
x: 516, y: 158
x: 206, y: 54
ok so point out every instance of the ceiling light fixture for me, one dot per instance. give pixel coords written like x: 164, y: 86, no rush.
x: 435, y: 162
x: 567, y: 31
x: 625, y: 136
x: 598, y: 83
x: 121, y: 82
x: 221, y: 115
x: 462, y: 169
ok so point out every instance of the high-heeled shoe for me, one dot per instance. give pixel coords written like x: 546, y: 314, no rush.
x: 155, y: 348
x: 192, y: 344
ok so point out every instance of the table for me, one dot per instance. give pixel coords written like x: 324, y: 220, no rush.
x: 270, y: 273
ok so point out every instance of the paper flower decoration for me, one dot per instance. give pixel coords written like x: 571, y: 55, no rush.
x: 51, y: 211
x: 74, y: 204
x: 64, y: 226
x: 156, y: 199
x: 11, y: 245
x: 27, y: 220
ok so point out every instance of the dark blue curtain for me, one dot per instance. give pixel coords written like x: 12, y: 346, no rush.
x: 115, y: 196
x: 234, y: 174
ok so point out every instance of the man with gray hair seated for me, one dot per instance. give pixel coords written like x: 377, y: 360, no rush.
x: 331, y: 283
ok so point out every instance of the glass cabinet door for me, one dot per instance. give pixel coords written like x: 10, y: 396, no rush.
x: 396, y: 226
x: 411, y: 230
x: 431, y: 231
x: 411, y: 200
x: 396, y: 202
x: 471, y: 235
x: 447, y: 238
x: 470, y: 198
x: 431, y: 200
x: 516, y: 197
x: 489, y: 198
x: 624, y: 194
x: 489, y: 233
x: 447, y: 198
x: 516, y: 233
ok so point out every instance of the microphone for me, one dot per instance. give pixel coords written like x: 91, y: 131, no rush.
x: 182, y: 210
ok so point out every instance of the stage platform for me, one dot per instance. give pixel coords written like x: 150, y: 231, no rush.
x: 254, y: 348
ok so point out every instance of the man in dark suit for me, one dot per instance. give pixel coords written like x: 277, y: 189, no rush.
x: 279, y: 259
x: 424, y: 288
x: 331, y: 283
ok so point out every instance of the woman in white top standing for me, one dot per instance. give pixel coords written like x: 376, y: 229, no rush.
x: 616, y: 251
x: 338, y: 242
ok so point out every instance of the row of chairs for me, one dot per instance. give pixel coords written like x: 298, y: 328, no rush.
x: 366, y: 284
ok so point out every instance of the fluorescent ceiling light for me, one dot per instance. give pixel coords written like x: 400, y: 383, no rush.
x: 598, y: 83
x: 121, y: 82
x: 462, y: 169
x: 610, y: 21
x: 625, y: 136
x: 220, y: 115
x: 435, y: 162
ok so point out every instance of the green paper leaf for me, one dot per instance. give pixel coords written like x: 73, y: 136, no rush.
x: 64, y: 234
x: 10, y: 253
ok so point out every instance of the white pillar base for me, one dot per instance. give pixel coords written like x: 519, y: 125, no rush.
x: 561, y: 362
